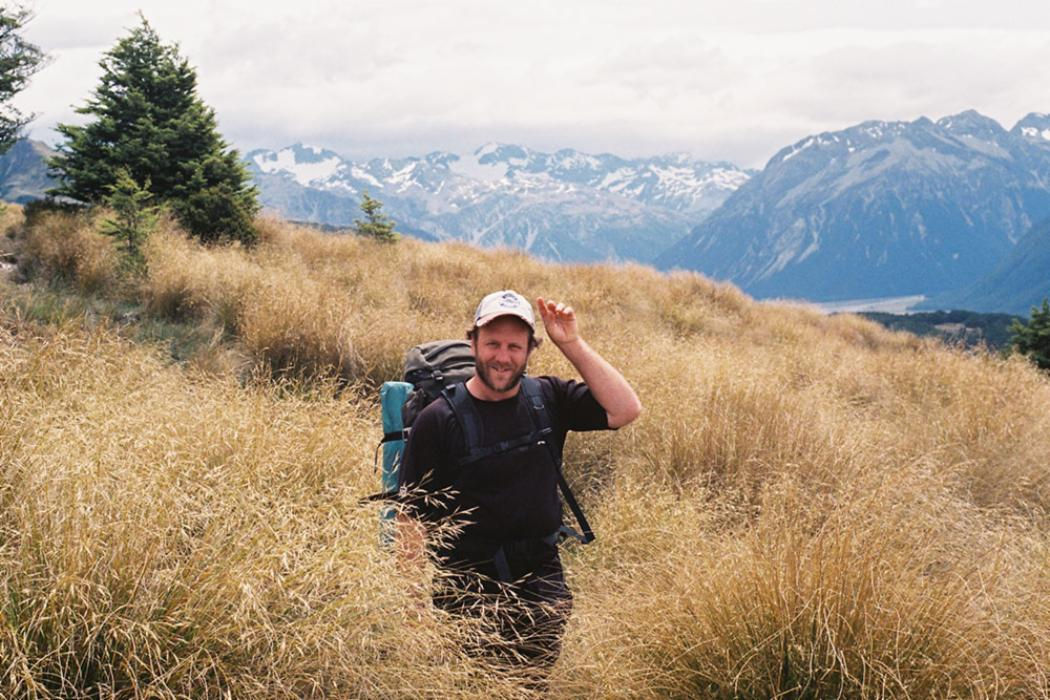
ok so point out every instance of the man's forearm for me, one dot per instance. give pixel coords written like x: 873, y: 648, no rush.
x: 608, y: 385
x: 410, y: 542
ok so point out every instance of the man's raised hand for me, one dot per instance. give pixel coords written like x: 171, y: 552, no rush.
x: 559, y: 321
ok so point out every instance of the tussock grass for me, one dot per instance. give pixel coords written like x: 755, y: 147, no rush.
x: 68, y: 247
x: 176, y: 535
x: 810, y: 506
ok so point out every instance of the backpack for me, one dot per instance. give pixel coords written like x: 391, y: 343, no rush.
x: 433, y: 370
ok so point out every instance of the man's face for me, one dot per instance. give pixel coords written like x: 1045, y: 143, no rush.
x: 501, y: 353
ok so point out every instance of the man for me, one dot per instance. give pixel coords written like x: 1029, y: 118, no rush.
x: 506, y: 557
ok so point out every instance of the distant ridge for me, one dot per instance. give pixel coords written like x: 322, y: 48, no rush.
x: 568, y: 205
x: 23, y: 171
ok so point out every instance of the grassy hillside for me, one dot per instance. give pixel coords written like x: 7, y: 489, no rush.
x: 810, y: 506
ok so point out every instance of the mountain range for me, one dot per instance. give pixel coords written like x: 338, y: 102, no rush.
x: 879, y: 209
x: 567, y: 206
x: 956, y: 210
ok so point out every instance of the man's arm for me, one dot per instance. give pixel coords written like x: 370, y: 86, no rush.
x: 609, y: 387
x: 418, y: 458
x: 410, y: 543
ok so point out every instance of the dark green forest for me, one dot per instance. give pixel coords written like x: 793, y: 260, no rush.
x: 969, y: 328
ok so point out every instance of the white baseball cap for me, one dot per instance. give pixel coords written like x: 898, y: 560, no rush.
x: 506, y: 302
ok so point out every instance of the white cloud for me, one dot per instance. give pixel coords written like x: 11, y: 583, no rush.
x: 722, y: 80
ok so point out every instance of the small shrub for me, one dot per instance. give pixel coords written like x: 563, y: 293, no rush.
x: 134, y: 217
x: 376, y: 224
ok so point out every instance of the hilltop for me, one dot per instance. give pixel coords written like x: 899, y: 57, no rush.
x: 811, y: 506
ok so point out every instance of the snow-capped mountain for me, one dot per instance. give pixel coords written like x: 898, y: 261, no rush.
x: 564, y: 206
x: 879, y: 209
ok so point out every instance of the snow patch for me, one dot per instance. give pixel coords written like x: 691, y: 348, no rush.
x: 727, y: 179
x: 1034, y: 133
x: 404, y: 175
x: 616, y: 180
x: 337, y: 186
x: 303, y: 173
x: 578, y: 160
x: 358, y: 173
x: 814, y: 246
x: 795, y: 151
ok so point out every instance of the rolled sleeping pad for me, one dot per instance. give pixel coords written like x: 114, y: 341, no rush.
x: 392, y: 396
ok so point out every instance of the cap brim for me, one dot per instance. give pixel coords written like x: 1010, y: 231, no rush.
x: 484, y: 320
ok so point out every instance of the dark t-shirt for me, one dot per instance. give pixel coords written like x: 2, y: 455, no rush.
x: 510, y: 496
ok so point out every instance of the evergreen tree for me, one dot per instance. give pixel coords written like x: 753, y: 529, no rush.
x: 18, y: 61
x: 376, y: 224
x: 135, y: 217
x: 150, y: 123
x: 1033, y: 338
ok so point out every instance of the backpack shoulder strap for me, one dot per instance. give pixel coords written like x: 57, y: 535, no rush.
x: 541, y: 417
x: 458, y: 399
x: 466, y: 414
x: 544, y: 426
x: 469, y: 420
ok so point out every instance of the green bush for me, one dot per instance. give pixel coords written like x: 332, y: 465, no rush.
x: 1033, y: 338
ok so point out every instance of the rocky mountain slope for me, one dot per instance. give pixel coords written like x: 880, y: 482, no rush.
x: 879, y: 209
x: 23, y: 171
x: 1019, y: 282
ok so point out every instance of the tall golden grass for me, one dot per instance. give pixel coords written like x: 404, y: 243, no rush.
x: 810, y: 506
x: 68, y: 247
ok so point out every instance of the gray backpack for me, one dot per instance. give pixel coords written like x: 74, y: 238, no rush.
x: 431, y: 368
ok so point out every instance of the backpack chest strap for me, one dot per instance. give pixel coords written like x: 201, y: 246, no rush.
x: 469, y: 420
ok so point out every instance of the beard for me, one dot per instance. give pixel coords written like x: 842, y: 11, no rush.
x: 484, y: 373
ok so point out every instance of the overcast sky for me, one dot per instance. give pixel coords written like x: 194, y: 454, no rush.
x: 729, y: 80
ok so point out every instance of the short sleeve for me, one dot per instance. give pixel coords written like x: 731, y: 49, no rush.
x: 575, y: 405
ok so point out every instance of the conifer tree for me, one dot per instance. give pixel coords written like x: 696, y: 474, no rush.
x: 18, y: 61
x: 150, y: 123
x: 1033, y: 339
x: 376, y: 224
x: 135, y: 216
